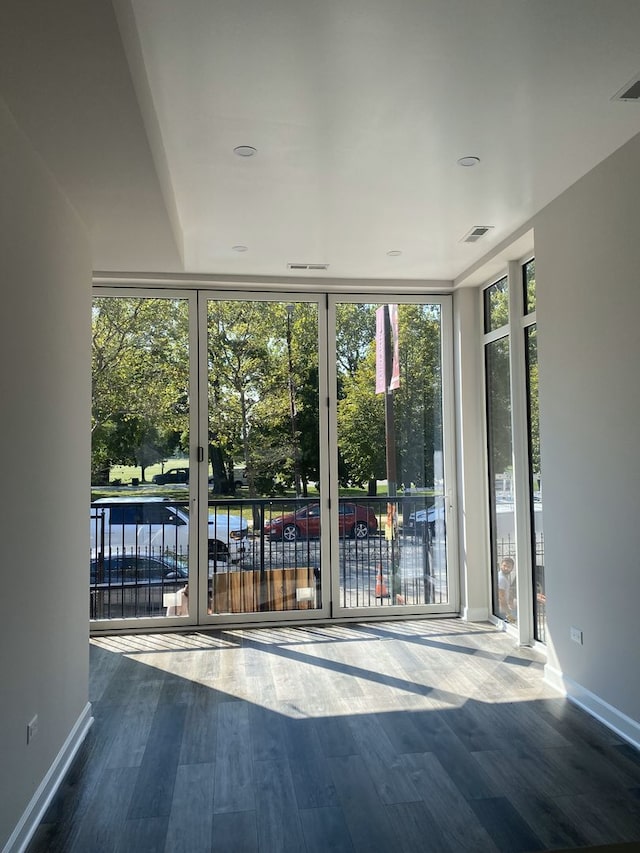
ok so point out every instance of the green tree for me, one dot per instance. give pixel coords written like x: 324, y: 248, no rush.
x: 239, y: 366
x: 417, y: 403
x: 355, y: 329
x: 361, y: 428
x: 140, y: 391
x: 418, y: 400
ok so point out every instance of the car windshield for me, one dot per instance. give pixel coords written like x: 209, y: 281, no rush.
x: 219, y: 516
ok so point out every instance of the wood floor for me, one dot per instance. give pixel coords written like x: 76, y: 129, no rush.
x: 397, y: 736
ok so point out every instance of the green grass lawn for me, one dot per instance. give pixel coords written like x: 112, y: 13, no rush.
x: 121, y: 477
x: 126, y: 473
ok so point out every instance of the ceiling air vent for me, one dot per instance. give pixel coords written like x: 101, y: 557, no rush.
x: 630, y: 92
x: 476, y: 233
x: 308, y: 266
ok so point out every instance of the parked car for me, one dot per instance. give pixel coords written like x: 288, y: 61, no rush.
x: 353, y: 520
x: 423, y: 521
x: 154, y: 527
x: 172, y: 475
x: 132, y: 584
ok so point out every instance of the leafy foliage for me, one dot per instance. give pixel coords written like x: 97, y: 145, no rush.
x: 263, y: 390
x: 140, y: 391
x: 417, y: 403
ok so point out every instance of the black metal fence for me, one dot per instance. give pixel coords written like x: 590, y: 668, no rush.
x: 264, y: 554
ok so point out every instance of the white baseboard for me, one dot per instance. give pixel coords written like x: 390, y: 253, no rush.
x: 40, y: 801
x: 620, y: 723
x: 475, y: 614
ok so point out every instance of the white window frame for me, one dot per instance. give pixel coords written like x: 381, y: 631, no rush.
x: 449, y: 445
x: 514, y: 331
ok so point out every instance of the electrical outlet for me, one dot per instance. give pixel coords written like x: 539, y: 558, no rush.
x: 32, y: 729
x: 576, y: 635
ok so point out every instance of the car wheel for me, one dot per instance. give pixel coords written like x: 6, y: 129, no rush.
x: 360, y: 530
x: 290, y: 533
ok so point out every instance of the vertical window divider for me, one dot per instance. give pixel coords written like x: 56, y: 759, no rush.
x: 520, y: 446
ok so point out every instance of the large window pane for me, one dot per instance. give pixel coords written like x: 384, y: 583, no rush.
x: 529, y: 285
x: 501, y: 498
x: 392, y: 532
x: 263, y: 450
x: 539, y: 597
x: 496, y: 305
x: 139, y: 458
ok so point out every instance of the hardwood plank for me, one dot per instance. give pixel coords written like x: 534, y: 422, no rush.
x: 190, y: 825
x: 335, y: 735
x: 370, y: 827
x: 476, y: 727
x: 101, y: 827
x: 446, y: 804
x: 325, y: 829
x: 550, y: 823
x: 548, y: 772
x: 144, y: 835
x: 129, y: 746
x: 440, y: 740
x: 606, y: 816
x: 75, y: 793
x: 574, y: 724
x: 234, y: 790
x: 381, y: 759
x: 102, y: 664
x: 200, y: 727
x: 268, y: 736
x: 153, y: 792
x: 310, y: 772
x: 407, y: 734
x: 416, y: 829
x: 276, y: 809
x: 235, y: 832
x: 510, y: 833
x: 586, y: 770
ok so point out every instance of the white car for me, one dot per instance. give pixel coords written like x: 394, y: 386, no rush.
x: 153, y: 526
x: 423, y: 521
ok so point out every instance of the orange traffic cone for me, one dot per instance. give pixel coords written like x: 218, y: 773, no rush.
x: 381, y: 587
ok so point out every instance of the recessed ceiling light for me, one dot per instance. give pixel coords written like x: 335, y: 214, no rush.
x: 468, y: 161
x: 393, y: 253
x: 239, y: 248
x: 244, y: 150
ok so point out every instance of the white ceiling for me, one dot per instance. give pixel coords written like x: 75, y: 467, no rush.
x: 358, y: 110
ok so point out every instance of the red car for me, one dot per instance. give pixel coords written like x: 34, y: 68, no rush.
x: 354, y: 520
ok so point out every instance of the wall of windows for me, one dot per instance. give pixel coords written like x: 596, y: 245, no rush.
x: 230, y: 484
x: 513, y: 451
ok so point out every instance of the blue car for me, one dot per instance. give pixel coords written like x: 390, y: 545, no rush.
x: 132, y: 584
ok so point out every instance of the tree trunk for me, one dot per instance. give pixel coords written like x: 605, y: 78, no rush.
x: 217, y: 467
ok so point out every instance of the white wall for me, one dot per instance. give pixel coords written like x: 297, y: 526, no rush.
x: 588, y: 310
x: 472, y: 490
x: 45, y: 275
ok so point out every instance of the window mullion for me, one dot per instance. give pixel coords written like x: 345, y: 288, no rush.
x: 520, y: 455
